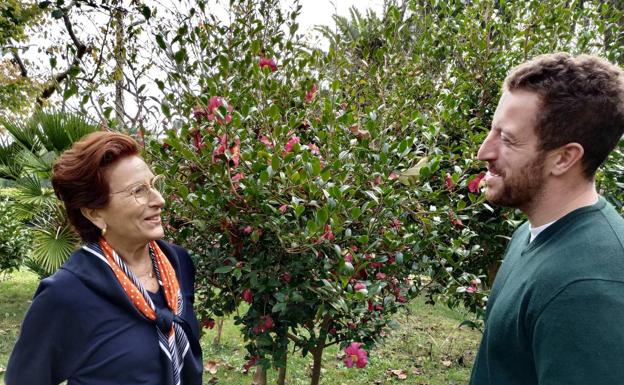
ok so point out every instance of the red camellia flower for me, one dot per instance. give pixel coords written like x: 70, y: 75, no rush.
x: 309, y: 96
x: 291, y: 142
x: 264, y: 325
x: 208, y: 323
x: 473, y: 186
x: 249, y: 364
x: 247, y: 296
x: 354, y: 355
x: 448, y: 181
x: 266, y: 62
x: 328, y: 234
x: 285, y: 277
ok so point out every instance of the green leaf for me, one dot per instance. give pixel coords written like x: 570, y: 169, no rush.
x: 224, y: 269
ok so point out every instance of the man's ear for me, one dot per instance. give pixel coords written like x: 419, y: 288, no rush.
x: 566, y: 158
x: 94, y: 216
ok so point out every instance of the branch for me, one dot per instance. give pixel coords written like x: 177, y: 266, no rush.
x: 81, y: 49
x: 17, y: 60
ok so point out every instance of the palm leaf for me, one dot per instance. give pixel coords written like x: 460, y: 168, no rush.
x: 52, y: 247
x: 23, y: 133
x: 57, y: 131
x: 30, y: 192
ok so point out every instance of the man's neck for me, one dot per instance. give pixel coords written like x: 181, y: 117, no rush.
x: 558, y: 202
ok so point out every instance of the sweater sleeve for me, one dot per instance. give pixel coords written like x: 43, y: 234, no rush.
x: 578, y: 338
x: 51, y: 339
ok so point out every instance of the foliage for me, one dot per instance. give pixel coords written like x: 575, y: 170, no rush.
x: 327, y: 188
x: 26, y: 162
x: 15, y: 238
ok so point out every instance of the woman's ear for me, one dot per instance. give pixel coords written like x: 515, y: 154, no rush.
x: 94, y: 216
x: 567, y: 157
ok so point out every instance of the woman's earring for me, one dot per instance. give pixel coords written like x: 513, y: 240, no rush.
x: 104, y: 231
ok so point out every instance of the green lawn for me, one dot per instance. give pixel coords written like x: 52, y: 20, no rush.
x: 428, y: 347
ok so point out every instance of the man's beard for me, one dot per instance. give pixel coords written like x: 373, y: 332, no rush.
x: 523, y: 189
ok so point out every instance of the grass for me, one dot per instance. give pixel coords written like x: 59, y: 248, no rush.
x: 427, y: 348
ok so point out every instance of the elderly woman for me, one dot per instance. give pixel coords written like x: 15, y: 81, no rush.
x: 120, y: 310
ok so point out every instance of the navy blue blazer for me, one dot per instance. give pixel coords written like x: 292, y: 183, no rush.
x: 81, y: 327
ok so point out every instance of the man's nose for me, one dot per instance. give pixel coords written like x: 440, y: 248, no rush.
x: 487, y: 151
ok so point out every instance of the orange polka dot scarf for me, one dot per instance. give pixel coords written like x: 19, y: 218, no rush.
x: 172, y: 338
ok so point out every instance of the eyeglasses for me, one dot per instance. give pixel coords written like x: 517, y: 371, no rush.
x: 141, y: 191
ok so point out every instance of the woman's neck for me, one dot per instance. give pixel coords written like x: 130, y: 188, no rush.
x: 132, y: 254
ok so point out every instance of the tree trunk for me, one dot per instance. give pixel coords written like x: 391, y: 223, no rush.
x: 217, y: 340
x: 281, y: 377
x: 260, y: 376
x: 120, y: 58
x: 317, y: 356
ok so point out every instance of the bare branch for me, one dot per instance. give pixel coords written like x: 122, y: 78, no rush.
x: 17, y: 60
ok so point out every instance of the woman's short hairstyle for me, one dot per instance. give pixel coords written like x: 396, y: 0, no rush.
x: 79, y: 176
x: 581, y: 101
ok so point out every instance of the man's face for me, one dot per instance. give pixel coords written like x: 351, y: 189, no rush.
x: 515, y: 176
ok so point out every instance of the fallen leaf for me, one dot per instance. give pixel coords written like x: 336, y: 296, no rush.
x: 447, y: 363
x: 416, y: 371
x: 399, y: 373
x: 211, y: 367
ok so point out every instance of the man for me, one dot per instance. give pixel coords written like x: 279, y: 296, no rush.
x: 556, y: 311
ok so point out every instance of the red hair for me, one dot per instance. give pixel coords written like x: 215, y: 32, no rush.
x: 79, y: 176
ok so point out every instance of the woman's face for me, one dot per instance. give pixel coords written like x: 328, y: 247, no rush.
x: 129, y: 223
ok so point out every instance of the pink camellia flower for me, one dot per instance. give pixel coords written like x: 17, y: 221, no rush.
x: 448, y: 181
x: 266, y: 141
x: 283, y: 208
x: 471, y: 289
x: 379, y: 307
x: 238, y: 177
x: 396, y: 224
x: 221, y: 147
x: 213, y: 104
x: 348, y: 257
x: 314, y: 149
x: 248, y: 230
x: 291, y: 142
x: 354, y: 355
x: 359, y: 286
x: 380, y: 276
x: 235, y: 151
x: 328, y: 234
x: 309, y: 96
x: 393, y: 175
x: 247, y: 296
x: 266, y: 62
x: 473, y: 186
x: 377, y: 180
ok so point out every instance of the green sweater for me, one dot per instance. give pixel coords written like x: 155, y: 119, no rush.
x: 556, y: 311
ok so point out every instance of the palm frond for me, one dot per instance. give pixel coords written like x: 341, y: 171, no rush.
x: 52, y: 247
x: 57, y: 131
x: 30, y: 192
x: 23, y: 133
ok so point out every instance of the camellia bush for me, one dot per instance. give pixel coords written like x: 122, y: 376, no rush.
x: 326, y: 189
x: 15, y: 238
